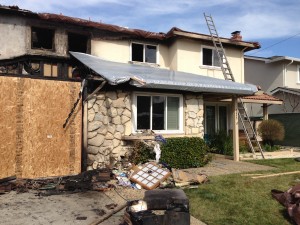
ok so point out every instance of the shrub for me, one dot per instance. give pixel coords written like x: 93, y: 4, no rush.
x: 185, y: 152
x: 141, y: 153
x: 222, y: 143
x: 270, y: 131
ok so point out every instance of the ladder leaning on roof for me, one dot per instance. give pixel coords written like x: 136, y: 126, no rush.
x: 228, y: 75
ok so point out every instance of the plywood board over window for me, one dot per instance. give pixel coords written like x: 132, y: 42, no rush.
x: 36, y: 144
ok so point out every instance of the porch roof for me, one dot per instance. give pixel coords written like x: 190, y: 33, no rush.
x: 143, y: 76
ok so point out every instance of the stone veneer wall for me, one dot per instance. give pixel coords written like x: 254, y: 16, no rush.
x: 194, y: 115
x: 109, y: 118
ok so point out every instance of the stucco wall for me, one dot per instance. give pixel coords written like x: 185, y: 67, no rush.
x: 291, y: 77
x: 119, y: 51
x: 13, y: 36
x: 109, y: 119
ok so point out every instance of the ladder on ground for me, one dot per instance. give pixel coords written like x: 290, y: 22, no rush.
x: 228, y: 75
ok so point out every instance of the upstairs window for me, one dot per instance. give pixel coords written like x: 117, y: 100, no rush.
x: 158, y: 112
x: 210, y: 57
x: 143, y: 53
x: 77, y: 42
x: 42, y: 38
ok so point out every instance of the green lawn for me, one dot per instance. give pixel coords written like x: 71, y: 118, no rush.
x: 239, y: 200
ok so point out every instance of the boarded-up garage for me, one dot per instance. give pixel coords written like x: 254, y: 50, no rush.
x: 33, y: 142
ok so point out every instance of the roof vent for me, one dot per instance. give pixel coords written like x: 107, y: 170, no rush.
x: 236, y: 36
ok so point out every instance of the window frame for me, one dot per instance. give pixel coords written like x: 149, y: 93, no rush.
x: 202, y: 57
x: 149, y: 94
x: 144, y: 52
x: 217, y: 116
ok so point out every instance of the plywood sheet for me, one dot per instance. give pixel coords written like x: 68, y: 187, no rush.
x: 7, y: 126
x: 33, y: 142
x: 51, y: 150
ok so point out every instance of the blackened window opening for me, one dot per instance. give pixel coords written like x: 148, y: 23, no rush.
x: 42, y: 38
x: 77, y: 42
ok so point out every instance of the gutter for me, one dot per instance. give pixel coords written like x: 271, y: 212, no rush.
x: 285, y: 71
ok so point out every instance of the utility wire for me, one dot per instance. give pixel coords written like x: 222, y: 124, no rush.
x: 262, y: 49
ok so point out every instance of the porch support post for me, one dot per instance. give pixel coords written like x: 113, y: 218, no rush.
x: 235, y: 129
x: 265, y: 112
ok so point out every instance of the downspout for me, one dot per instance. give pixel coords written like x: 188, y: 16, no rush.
x: 285, y: 72
x: 243, y: 65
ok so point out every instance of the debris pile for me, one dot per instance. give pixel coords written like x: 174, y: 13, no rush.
x: 291, y: 200
x: 89, y: 180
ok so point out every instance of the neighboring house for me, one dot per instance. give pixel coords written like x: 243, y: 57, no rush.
x: 136, y: 80
x: 279, y: 76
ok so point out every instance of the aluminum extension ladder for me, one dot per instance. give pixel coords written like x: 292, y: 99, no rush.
x: 228, y: 75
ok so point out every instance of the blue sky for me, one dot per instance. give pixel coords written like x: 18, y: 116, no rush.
x: 265, y: 21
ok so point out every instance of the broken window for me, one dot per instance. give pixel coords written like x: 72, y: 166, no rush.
x: 42, y: 38
x: 143, y: 53
x: 158, y: 112
x: 77, y: 42
x: 210, y: 57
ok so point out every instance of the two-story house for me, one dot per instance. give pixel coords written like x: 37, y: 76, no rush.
x: 135, y: 80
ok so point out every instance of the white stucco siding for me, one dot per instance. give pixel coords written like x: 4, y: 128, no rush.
x: 14, y: 32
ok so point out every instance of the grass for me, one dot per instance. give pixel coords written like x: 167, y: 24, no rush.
x: 238, y: 200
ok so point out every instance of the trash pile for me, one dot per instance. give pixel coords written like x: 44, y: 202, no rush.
x: 96, y: 180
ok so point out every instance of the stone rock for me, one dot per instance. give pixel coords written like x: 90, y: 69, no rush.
x: 127, y: 103
x: 118, y: 135
x: 95, y: 165
x: 117, y: 150
x: 116, y: 142
x: 98, y: 117
x: 97, y: 140
x: 190, y: 122
x: 128, y: 128
x: 108, y: 103
x: 91, y: 103
x: 124, y: 119
x: 105, y: 120
x: 122, y: 95
x: 89, y: 168
x: 127, y: 113
x: 109, y: 136
x: 91, y: 115
x: 101, y: 96
x: 192, y: 115
x: 119, y: 103
x: 96, y: 108
x: 99, y: 103
x: 111, y: 129
x: 92, y: 150
x: 103, y: 110
x: 200, y: 113
x: 120, y: 111
x: 91, y: 134
x: 100, y: 158
x: 90, y: 159
x: 112, y: 95
x: 102, y: 130
x: 94, y: 125
x: 120, y: 128
x: 106, y: 151
x: 112, y: 112
x: 107, y: 143
x: 195, y: 130
x: 116, y: 120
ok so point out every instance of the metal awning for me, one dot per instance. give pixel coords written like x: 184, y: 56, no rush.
x: 153, y: 77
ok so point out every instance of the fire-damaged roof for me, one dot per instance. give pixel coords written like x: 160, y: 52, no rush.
x: 142, y: 76
x: 174, y: 32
